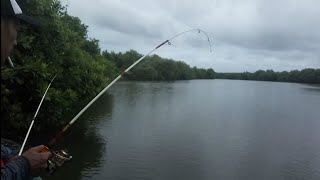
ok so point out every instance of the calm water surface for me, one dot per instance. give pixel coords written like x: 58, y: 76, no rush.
x: 199, y: 129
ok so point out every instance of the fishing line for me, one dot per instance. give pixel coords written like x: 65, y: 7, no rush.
x: 61, y: 133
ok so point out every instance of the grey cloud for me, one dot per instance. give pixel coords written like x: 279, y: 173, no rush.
x: 127, y: 19
x: 245, y: 35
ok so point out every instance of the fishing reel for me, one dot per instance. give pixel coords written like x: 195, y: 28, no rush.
x: 58, y: 159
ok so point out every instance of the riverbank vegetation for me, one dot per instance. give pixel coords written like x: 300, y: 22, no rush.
x: 309, y: 75
x: 156, y: 68
x: 61, y: 46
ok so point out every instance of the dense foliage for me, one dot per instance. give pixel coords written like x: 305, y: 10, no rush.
x: 156, y: 68
x: 60, y: 46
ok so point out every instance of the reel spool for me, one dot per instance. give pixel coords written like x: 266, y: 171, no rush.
x: 58, y: 159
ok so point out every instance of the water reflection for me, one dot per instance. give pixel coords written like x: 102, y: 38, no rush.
x: 204, y: 129
x: 314, y: 89
x: 84, y: 143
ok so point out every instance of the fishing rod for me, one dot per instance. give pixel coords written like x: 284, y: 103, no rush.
x: 62, y: 132
x: 10, y: 62
x: 35, y: 115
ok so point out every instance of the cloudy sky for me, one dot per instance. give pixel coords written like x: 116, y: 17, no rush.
x: 246, y: 35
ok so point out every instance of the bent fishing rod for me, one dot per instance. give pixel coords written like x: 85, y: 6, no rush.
x: 62, y: 132
x: 35, y: 115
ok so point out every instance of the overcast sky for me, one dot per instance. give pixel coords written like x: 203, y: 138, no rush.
x: 246, y: 35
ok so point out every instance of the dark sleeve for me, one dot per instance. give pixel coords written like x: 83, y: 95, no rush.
x: 19, y: 169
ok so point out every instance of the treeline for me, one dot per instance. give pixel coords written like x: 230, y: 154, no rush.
x: 156, y: 68
x: 308, y: 75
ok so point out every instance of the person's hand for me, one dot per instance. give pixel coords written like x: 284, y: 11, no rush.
x: 37, y: 159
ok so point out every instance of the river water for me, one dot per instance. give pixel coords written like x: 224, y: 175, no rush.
x: 198, y: 129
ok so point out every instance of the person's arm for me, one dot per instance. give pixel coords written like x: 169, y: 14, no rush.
x: 18, y: 169
x: 29, y: 164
